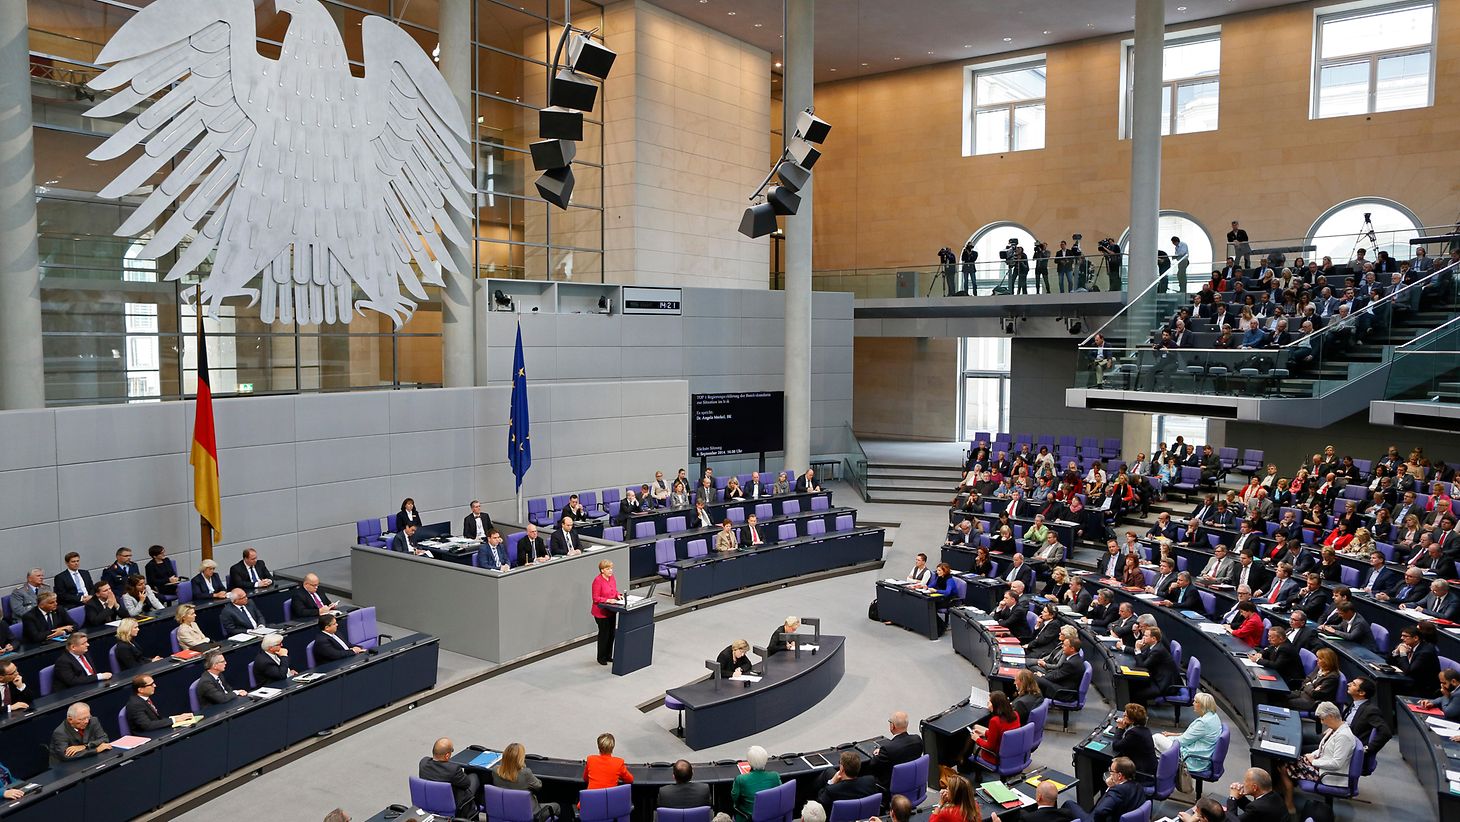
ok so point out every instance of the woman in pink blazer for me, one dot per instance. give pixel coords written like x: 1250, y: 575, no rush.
x: 605, y: 589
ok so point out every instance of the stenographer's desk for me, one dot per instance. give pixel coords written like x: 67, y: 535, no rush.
x: 124, y: 784
x: 905, y: 606
x: 493, y: 615
x: 717, y: 711
x: 1432, y: 756
x: 717, y: 574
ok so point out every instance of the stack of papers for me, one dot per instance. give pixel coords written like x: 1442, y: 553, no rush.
x: 1443, y: 727
x: 264, y: 693
x: 1211, y: 628
x: 745, y: 677
x: 631, y: 600
x: 127, y: 743
x: 1249, y: 663
x: 1147, y: 597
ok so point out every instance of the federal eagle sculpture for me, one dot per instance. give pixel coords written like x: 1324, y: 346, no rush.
x: 292, y: 169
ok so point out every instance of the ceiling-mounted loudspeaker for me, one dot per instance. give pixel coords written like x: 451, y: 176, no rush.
x: 758, y: 220
x: 572, y: 90
x: 556, y: 186
x: 548, y: 154
x: 783, y: 200
x: 803, y: 154
x: 811, y: 128
x: 558, y: 123
x: 1008, y: 324
x: 792, y: 176
x: 589, y: 57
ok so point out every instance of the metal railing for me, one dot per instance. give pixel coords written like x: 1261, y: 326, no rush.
x: 855, y: 461
x: 1428, y: 366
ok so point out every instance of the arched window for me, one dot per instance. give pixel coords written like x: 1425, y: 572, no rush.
x: 1340, y: 231
x: 993, y: 238
x: 1200, y: 250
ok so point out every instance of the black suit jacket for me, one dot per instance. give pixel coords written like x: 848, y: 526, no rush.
x: 116, y: 575
x: 1051, y: 814
x: 35, y: 628
x: 801, y: 489
x: 129, y: 656
x: 142, y: 716
x: 892, y: 752
x: 1025, y: 575
x: 1368, y: 722
x: 686, y: 795
x: 1067, y: 675
x: 402, y: 519
x: 1158, y: 662
x: 235, y: 623
x: 1101, y: 615
x: 469, y: 526
x: 301, y: 604
x: 99, y: 614
x: 211, y: 693
x: 559, y: 544
x: 69, y: 672
x: 66, y: 594
x: 1117, y: 801
x: 26, y: 694
x: 1285, y: 660
x: 1266, y: 808
x: 269, y: 668
x: 238, y: 575
x: 863, y: 786
x: 528, y: 550
x: 327, y: 650
x: 464, y: 786
x: 1016, y: 620
x: 204, y: 590
x: 1423, y: 667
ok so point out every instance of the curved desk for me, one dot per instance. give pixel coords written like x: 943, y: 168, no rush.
x: 717, y: 711
x: 716, y: 574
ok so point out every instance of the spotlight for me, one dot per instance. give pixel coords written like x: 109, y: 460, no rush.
x: 783, y: 200
x: 588, y: 57
x: 1008, y: 324
x: 803, y: 154
x: 572, y: 90
x: 548, y: 154
x: 603, y: 305
x: 1074, y: 325
x: 758, y: 220
x: 556, y: 186
x: 811, y: 128
x: 558, y: 123
x: 501, y: 300
x: 792, y: 176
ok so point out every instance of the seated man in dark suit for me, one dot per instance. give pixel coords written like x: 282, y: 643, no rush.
x: 1045, y: 808
x: 493, y: 554
x: 1102, y: 612
x: 239, y: 616
x: 684, y: 793
x: 477, y: 524
x: 1410, y: 589
x: 806, y: 483
x: 250, y: 573
x: 208, y: 584
x: 1013, y: 615
x: 103, y: 606
x: 1440, y: 603
x: 329, y: 645
x: 74, y: 667
x: 1062, y: 682
x: 1153, y: 657
x: 272, y: 663
x: 564, y: 541
x: 1281, y: 656
x: 753, y: 534
x: 308, y: 601
x: 465, y: 787
x: 898, y: 748
x: 142, y: 715
x: 73, y: 586
x: 78, y: 736
x: 1019, y: 570
x: 1122, y: 795
x: 1419, y: 659
x: 629, y: 506
x: 848, y: 782
x: 15, y: 693
x: 575, y: 509
x: 1253, y: 800
x: 213, y: 689
x: 1378, y: 578
x: 46, y: 620
x: 532, y: 547
x: 404, y: 542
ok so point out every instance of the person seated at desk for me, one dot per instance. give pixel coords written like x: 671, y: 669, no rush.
x: 13, y: 789
x: 1112, y: 564
x: 781, y: 486
x: 1076, y: 597
x: 1329, y: 567
x: 705, y: 492
x: 1246, y: 625
x: 679, y: 497
x: 777, y: 643
x: 1441, y: 602
x: 1058, y: 584
x: 1281, y: 656
x: 963, y: 534
x: 1416, y: 656
x: 1035, y: 534
x: 189, y: 635
x: 574, y: 509
x: 1133, y: 741
x: 161, y: 572
x: 1199, y: 740
x: 1002, y: 542
x: 1166, y: 575
x: 1163, y: 528
x: 78, y: 736
x: 849, y: 782
x: 23, y: 598
x: 272, y: 662
x: 957, y: 802
x: 564, y: 541
x: 603, y: 769
x: 250, y: 573
x: 1183, y: 595
x: 1061, y: 681
x: 629, y: 507
x: 1412, y: 588
x: 122, y: 567
x: 129, y: 656
x: 477, y: 523
x: 1234, y: 617
x: 103, y: 607
x: 899, y: 748
x: 1052, y: 552
x: 700, y: 517
x: 1378, y: 578
x: 492, y: 555
x: 1027, y: 695
x: 512, y: 773
x: 1019, y: 571
x: 942, y: 583
x: 1248, y: 539
x: 1290, y: 550
x: 726, y: 541
x: 748, y: 784
x: 735, y: 659
x: 329, y: 645
x: 1302, y: 634
x: 986, y: 738
x: 1046, y: 632
x: 405, y: 542
x: 1251, y: 800
x: 46, y: 620
x: 73, y: 586
x: 142, y: 715
x: 1102, y: 611
x: 1448, y: 702
x: 658, y: 492
x: 209, y: 585
x: 1130, y: 574
x: 466, y: 787
x: 920, y: 573
x: 1123, y: 794
x: 756, y: 488
x: 1125, y: 626
x: 1329, y: 763
x: 806, y: 484
x: 308, y: 601
x: 1281, y: 589
x: 15, y: 695
x: 1011, y: 613
x: 1312, y: 599
x: 1347, y: 624
x: 138, y: 597
x: 532, y: 548
x: 733, y: 491
x: 213, y: 689
x: 408, y: 515
x: 239, y: 616
x: 1249, y: 572
x: 75, y: 668
x: 684, y: 793
x: 751, y: 535
x: 1319, y: 686
x: 1153, y: 657
x: 1220, y: 569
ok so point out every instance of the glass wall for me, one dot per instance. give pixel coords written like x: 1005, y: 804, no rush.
x: 115, y: 329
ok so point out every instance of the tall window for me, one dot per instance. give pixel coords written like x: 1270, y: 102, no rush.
x: 993, y: 238
x: 1341, y: 230
x: 1167, y: 427
x: 1201, y: 254
x: 1374, y: 59
x: 984, y: 384
x: 1190, y: 69
x: 1006, y: 108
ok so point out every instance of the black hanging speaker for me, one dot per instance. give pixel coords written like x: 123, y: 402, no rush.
x: 783, y: 200
x: 758, y: 220
x: 589, y: 57
x: 556, y: 186
x: 792, y: 176
x: 804, y: 154
x: 572, y: 90
x: 557, y: 123
x: 548, y: 154
x: 811, y: 128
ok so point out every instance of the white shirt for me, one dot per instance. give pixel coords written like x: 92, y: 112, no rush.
x: 481, y: 530
x: 1182, y: 250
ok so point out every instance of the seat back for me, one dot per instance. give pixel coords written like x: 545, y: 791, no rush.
x: 1032, y: 619
x: 791, y: 506
x: 960, y: 588
x: 845, y: 522
x: 1166, y: 769
x: 775, y: 804
x: 112, y: 657
x: 697, y: 548
x: 701, y: 814
x: 513, y: 541
x: 1039, y: 717
x: 1176, y: 653
x: 1371, y: 755
x: 193, y: 703
x: 288, y: 610
x: 309, y: 655
x: 360, y: 628
x: 614, y: 533
x: 1141, y: 814
x: 1219, y: 754
x: 1208, y: 602
x: 852, y: 810
x: 606, y: 804
x: 674, y: 524
x: 785, y: 531
x: 820, y: 503
x: 589, y: 500
x: 48, y: 680
x: 664, y: 551
x: 77, y: 614
x: 1016, y: 750
x: 1310, y: 660
x: 253, y: 681
x: 643, y: 529
x: 611, y: 495
x: 1381, y: 637
x: 432, y: 797
x: 505, y: 805
x: 123, y: 725
x: 735, y: 515
x: 816, y: 526
x: 909, y: 779
x: 561, y: 500
x: 172, y: 635
x: 764, y: 510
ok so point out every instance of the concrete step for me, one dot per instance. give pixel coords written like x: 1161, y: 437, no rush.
x: 903, y: 496
x: 949, y: 475
x: 910, y: 484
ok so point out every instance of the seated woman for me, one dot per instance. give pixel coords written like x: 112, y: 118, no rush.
x: 982, y: 565
x: 942, y: 583
x: 1131, y: 576
x: 733, y: 489
x: 1330, y: 762
x: 1383, y: 529
x: 753, y: 781
x: 189, y: 635
x: 1319, y: 686
x: 1328, y: 565
x: 139, y: 598
x: 956, y: 802
x: 1249, y: 628
x: 1001, y: 718
x: 1003, y: 541
x: 1365, y: 542
x: 1199, y: 740
x: 725, y: 541
x: 1058, y: 584
x: 603, y: 769
x: 1133, y: 739
x: 1406, y: 541
x: 1339, y: 538
x: 1027, y: 695
x: 129, y: 656
x: 679, y: 497
x: 1046, y: 633
x: 513, y: 774
x: 734, y: 659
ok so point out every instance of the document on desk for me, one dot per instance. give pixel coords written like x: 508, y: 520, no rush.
x: 1278, y: 747
x: 127, y: 743
x: 1249, y: 663
x: 264, y: 693
x: 1147, y: 597
x: 243, y: 637
x: 745, y: 678
x: 1443, y: 727
x: 988, y: 623
x: 630, y: 600
x: 891, y: 581
x: 1211, y: 628
x: 806, y: 647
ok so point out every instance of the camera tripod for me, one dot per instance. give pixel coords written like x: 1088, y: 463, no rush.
x: 1366, y: 233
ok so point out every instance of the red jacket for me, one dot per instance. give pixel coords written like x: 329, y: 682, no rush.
x: 1250, y: 631
x: 605, y: 771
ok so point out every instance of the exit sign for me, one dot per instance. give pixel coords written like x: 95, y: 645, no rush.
x: 245, y: 388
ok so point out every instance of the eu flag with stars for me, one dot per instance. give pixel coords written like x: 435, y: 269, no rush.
x: 519, y: 443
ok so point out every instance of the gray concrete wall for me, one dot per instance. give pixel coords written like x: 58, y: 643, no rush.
x: 1039, y: 373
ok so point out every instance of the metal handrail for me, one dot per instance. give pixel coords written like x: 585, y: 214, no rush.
x: 1128, y: 303
x: 1442, y: 327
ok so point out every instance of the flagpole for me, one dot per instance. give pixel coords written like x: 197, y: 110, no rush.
x: 207, y: 543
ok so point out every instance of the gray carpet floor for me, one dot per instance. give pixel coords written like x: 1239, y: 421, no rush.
x: 557, y: 706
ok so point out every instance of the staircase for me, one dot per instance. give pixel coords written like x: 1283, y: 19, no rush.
x: 912, y: 484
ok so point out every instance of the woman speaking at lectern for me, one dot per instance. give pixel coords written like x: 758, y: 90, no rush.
x: 605, y: 589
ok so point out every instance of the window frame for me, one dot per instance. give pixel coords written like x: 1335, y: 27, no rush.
x: 1347, y: 11
x: 1168, y: 87
x: 971, y: 109
x: 966, y: 372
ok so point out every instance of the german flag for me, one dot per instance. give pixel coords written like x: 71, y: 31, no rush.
x: 204, y: 456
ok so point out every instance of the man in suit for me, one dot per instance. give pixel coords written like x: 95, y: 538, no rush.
x: 250, y: 573
x: 574, y: 509
x: 1410, y: 589
x: 684, y: 793
x: 1364, y: 717
x: 78, y: 736
x: 142, y: 715
x: 705, y: 492
x: 1013, y: 615
x: 308, y: 601
x: 272, y: 663
x: 74, y: 667
x: 1165, y: 578
x: 1312, y: 599
x: 208, y: 584
x: 806, y: 483
x: 564, y: 541
x: 1063, y: 680
x: 73, y: 586
x: 1431, y: 557
x: 120, y: 569
x: 1220, y: 569
x: 1124, y: 626
x: 1102, y: 612
x: 1123, y: 794
x: 963, y: 534
x: 1406, y: 507
x: 752, y: 535
x: 239, y: 616
x: 1163, y: 527
x: 1077, y: 597
x: 1378, y: 577
x: 1419, y: 659
x: 46, y: 620
x: 532, y: 547
x: 1019, y: 571
x: 1348, y: 624
x: 1281, y: 656
x: 404, y: 542
x: 1153, y: 657
x: 212, y: 687
x: 898, y: 748
x: 103, y: 606
x: 1253, y: 799
x: 15, y: 695
x: 477, y: 524
x: 755, y: 489
x: 1447, y: 537
x: 848, y: 782
x: 1448, y: 702
x: 628, y: 507
x: 1235, y: 616
x: 465, y: 787
x: 1045, y: 810
x: 1301, y: 634
x: 700, y: 516
x: 1249, y: 572
x: 493, y: 554
x: 1439, y: 603
x: 1183, y: 595
x: 329, y: 645
x: 23, y: 598
x: 1110, y: 565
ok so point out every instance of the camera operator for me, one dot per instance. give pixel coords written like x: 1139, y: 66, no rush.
x: 1064, y: 265
x: 1111, y: 251
x: 1041, y: 267
x: 948, y: 262
x: 1018, y: 262
x: 970, y: 278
